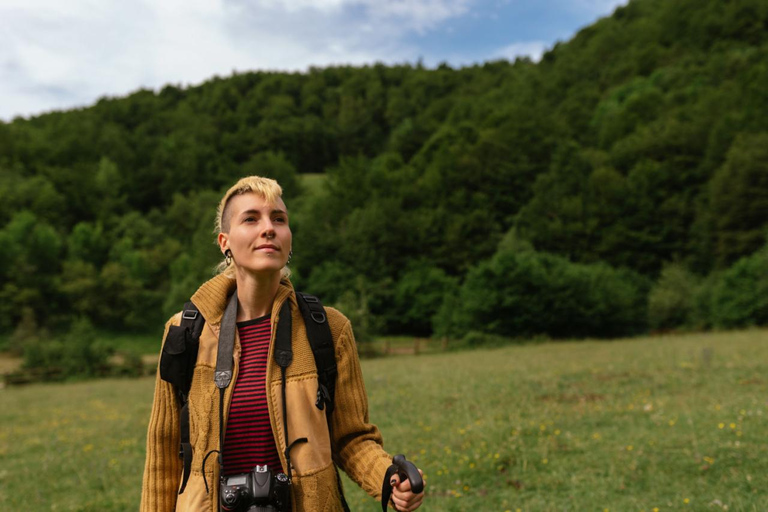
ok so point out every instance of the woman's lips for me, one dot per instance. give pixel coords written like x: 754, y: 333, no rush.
x: 267, y: 247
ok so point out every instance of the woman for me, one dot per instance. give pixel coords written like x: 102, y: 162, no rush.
x: 256, y: 240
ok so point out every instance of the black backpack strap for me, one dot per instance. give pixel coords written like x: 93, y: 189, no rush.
x: 185, y: 451
x: 283, y: 354
x: 321, y: 341
x: 191, y: 317
x: 192, y: 323
x: 319, y: 334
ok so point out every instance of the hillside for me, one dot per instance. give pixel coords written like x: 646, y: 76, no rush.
x: 641, y: 142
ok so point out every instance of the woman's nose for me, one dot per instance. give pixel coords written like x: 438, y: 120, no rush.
x: 269, y: 230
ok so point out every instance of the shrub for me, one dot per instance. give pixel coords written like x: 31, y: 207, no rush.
x: 520, y: 292
x: 701, y: 307
x: 671, y: 302
x: 26, y: 332
x: 354, y: 303
x: 419, y: 295
x: 76, y: 354
x: 477, y: 338
x: 447, y: 321
x: 740, y: 294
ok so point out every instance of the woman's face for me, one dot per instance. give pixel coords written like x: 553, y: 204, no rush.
x: 259, y: 236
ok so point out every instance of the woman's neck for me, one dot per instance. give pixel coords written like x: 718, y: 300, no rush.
x: 255, y: 294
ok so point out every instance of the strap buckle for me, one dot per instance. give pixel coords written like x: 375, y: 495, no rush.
x: 310, y: 298
x: 189, y: 314
x: 323, y: 396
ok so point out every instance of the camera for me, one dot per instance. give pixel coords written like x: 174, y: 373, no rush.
x: 260, y: 490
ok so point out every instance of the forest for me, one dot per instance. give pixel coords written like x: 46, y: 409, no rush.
x: 617, y: 187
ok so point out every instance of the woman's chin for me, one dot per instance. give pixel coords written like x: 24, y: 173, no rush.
x: 261, y: 270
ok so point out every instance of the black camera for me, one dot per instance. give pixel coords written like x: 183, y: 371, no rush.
x: 257, y: 491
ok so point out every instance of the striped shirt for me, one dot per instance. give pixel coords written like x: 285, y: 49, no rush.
x: 249, y: 441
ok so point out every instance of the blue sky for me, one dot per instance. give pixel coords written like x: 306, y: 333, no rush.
x: 61, y: 55
x: 507, y: 28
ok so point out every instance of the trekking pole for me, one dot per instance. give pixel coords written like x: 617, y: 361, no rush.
x: 406, y: 470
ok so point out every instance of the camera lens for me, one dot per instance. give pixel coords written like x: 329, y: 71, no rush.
x: 282, y: 477
x: 230, y: 497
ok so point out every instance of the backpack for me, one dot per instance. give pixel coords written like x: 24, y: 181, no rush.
x: 179, y: 356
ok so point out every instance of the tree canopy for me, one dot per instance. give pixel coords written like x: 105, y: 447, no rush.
x: 639, y: 143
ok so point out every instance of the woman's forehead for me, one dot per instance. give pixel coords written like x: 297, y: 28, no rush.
x: 251, y: 201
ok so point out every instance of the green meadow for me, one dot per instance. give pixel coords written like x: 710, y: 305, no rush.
x: 663, y: 423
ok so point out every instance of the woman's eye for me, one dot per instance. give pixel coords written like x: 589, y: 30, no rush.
x: 249, y: 219
x: 279, y: 219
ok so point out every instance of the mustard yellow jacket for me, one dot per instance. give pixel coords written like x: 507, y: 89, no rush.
x: 356, y: 446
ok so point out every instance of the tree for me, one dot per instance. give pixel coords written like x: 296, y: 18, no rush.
x: 739, y: 198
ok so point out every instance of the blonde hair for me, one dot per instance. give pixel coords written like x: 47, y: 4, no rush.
x: 267, y: 188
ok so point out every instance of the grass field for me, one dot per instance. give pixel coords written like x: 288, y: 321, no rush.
x: 665, y: 423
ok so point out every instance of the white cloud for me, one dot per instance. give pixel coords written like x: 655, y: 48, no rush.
x: 598, y: 7
x: 531, y: 49
x: 420, y: 14
x: 56, y: 54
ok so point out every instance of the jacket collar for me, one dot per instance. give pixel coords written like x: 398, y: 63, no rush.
x: 212, y: 297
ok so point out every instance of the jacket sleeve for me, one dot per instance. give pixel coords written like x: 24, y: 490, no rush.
x: 162, y: 469
x: 357, y: 443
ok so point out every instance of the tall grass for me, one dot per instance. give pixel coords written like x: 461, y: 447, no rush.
x: 667, y: 423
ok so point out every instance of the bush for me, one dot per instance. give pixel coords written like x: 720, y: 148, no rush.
x: 520, y: 292
x: 26, y: 332
x: 701, y: 307
x: 447, y: 321
x: 477, y: 338
x: 419, y: 295
x: 740, y: 294
x: 671, y: 302
x: 77, y: 354
x: 354, y: 303
x: 329, y: 281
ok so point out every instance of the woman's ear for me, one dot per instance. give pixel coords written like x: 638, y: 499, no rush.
x: 223, y: 240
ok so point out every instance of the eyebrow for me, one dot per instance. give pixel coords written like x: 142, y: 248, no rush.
x: 273, y: 212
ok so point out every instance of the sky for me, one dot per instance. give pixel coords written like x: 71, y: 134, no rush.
x: 58, y: 55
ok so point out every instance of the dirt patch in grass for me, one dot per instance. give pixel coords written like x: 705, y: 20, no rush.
x: 9, y: 364
x: 573, y: 398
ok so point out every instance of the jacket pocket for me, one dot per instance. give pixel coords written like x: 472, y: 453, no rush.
x: 177, y: 361
x: 304, y: 420
x: 194, y: 498
x: 317, y: 492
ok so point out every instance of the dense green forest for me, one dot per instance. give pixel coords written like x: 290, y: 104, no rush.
x: 618, y: 186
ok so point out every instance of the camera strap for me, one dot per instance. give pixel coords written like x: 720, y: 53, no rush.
x: 224, y: 364
x: 223, y: 375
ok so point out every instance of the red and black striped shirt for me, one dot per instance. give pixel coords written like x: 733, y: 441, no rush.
x: 249, y: 441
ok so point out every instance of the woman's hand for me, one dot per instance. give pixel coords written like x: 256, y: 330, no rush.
x: 402, y: 496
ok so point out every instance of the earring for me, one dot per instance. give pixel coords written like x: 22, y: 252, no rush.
x: 290, y: 255
x: 228, y: 257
